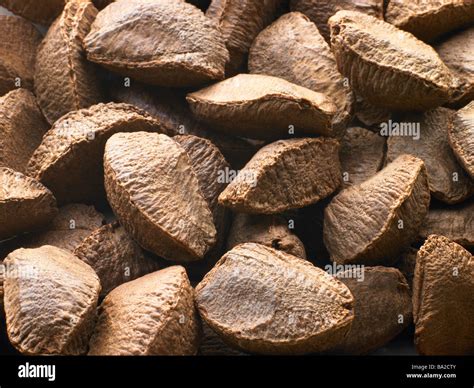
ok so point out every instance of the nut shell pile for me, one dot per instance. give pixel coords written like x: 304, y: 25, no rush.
x: 236, y: 177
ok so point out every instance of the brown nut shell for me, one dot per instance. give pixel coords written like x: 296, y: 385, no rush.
x: 240, y: 22
x: 443, y: 307
x: 263, y: 107
x: 293, y: 49
x: 69, y: 159
x: 266, y: 301
x: 458, y: 54
x: 428, y: 20
x: 284, y: 175
x: 372, y: 222
x: 68, y: 229
x: 155, y: 194
x: 382, y: 308
x: 22, y: 127
x: 388, y: 67
x: 151, y: 315
x: 18, y: 47
x: 181, y: 46
x: 454, y: 222
x: 461, y: 137
x: 25, y: 204
x: 50, y: 301
x: 114, y: 256
x: 64, y: 80
x: 362, y: 155
x: 447, y: 179
x: 272, y: 231
x: 319, y: 11
x: 38, y: 11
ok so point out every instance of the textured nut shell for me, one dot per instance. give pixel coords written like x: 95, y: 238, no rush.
x: 114, y: 256
x: 263, y: 107
x: 38, y: 11
x: 386, y: 66
x: 319, y: 11
x: 369, y: 114
x: 152, y: 315
x: 286, y: 174
x: 64, y: 80
x: 381, y: 300
x: 457, y: 52
x: 20, y: 40
x: 254, y: 291
x: 461, y: 137
x: 455, y: 223
x: 443, y: 306
x: 169, y: 106
x: 208, y: 164
x: 69, y: 159
x: 362, y: 155
x: 271, y: 231
x: 406, y: 264
x: 25, y: 204
x: 240, y: 22
x: 53, y: 310
x: 428, y: 20
x: 293, y: 49
x: 212, y: 345
x: 434, y: 149
x: 155, y: 194
x: 68, y: 229
x: 22, y: 127
x: 367, y: 215
x: 181, y: 46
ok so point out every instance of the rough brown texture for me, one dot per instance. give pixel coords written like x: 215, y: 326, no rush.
x: 22, y: 127
x: 388, y: 67
x: 212, y: 345
x: 362, y: 223
x: 240, y: 22
x: 114, y: 256
x: 50, y: 301
x: 266, y: 301
x: 286, y: 174
x: 20, y: 40
x: 64, y: 80
x: 382, y: 308
x: 68, y: 229
x: 38, y: 11
x: 369, y: 114
x: 443, y: 307
x: 141, y: 170
x: 406, y: 264
x: 428, y: 20
x: 461, y: 137
x: 272, y: 231
x: 168, y: 43
x: 169, y: 106
x: 362, y: 155
x: 152, y: 315
x: 25, y: 204
x: 293, y: 49
x: 209, y: 165
x: 455, y: 223
x: 458, y: 54
x: 319, y: 11
x: 447, y: 179
x: 69, y: 159
x: 263, y: 107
